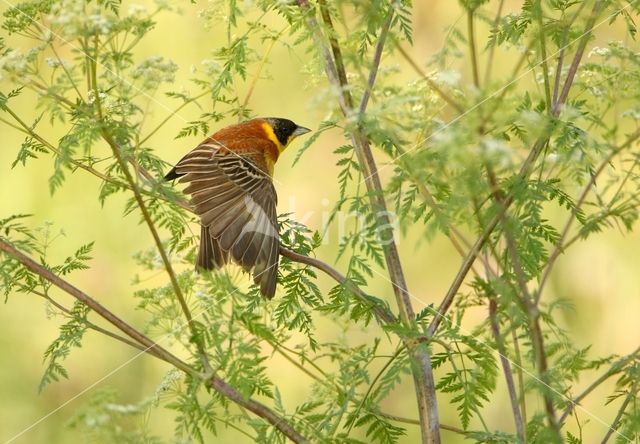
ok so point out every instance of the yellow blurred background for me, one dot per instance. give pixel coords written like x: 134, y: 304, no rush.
x: 599, y: 276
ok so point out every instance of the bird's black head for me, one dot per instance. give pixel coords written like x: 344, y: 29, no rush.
x: 285, y: 130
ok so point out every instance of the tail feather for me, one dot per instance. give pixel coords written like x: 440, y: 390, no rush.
x: 210, y: 254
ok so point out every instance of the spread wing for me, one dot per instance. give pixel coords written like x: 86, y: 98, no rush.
x: 234, y: 196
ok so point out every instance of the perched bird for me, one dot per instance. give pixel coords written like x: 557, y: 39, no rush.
x: 231, y: 189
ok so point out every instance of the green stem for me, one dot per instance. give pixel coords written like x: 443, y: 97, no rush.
x: 543, y: 52
x: 472, y: 47
x: 196, y: 337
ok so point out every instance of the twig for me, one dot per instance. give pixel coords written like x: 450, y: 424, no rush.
x: 559, y: 66
x: 467, y: 263
x: 259, y: 409
x: 383, y: 315
x: 173, y: 113
x: 254, y: 81
x: 520, y: 373
x: 543, y: 54
x: 631, y: 396
x: 88, y: 323
x: 616, y: 368
x: 377, y: 56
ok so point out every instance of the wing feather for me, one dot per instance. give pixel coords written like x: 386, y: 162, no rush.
x: 233, y: 194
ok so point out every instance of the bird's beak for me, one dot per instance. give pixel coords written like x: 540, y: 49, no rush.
x: 299, y: 131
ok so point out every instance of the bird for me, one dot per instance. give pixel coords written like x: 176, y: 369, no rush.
x: 230, y: 186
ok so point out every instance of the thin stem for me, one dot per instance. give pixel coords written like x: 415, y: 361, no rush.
x: 280, y: 349
x: 259, y: 409
x: 14, y: 126
x: 577, y: 58
x: 261, y: 66
x: 561, y: 53
x: 88, y: 323
x: 373, y: 383
x: 27, y: 130
x: 377, y: 56
x: 430, y: 200
x: 467, y: 263
x: 433, y: 85
x: 166, y: 119
x: 631, y: 396
x: 506, y: 368
x: 492, y: 46
x: 66, y: 71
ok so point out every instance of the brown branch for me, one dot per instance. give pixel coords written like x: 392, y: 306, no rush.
x: 573, y: 69
x: 467, y: 263
x: 259, y: 409
x: 377, y: 56
x: 530, y: 305
x: 492, y: 41
x: 334, y: 67
x: 471, y: 37
x: 150, y: 346
x: 561, y: 53
x: 153, y: 348
x: 543, y: 55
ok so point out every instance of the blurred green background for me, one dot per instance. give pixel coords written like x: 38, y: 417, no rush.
x: 600, y: 276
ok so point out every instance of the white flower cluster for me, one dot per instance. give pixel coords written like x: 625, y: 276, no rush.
x: 598, y: 51
x: 75, y: 18
x: 13, y: 63
x: 154, y: 71
x: 92, y: 97
x: 136, y: 10
x: 449, y: 77
x: 498, y: 151
x: 211, y: 68
x: 633, y: 113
